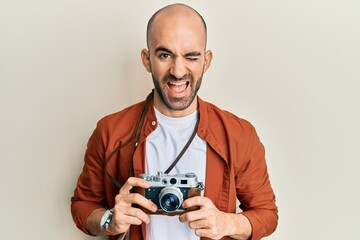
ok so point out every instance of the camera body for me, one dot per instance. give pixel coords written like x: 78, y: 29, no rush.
x: 169, y: 191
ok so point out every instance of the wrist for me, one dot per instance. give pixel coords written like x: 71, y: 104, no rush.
x: 107, y: 231
x: 105, y: 222
x: 231, y: 224
x: 239, y: 226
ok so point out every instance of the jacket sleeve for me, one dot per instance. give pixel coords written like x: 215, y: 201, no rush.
x: 254, y: 191
x: 89, y: 192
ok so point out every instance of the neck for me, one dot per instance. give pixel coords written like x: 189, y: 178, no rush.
x: 161, y: 107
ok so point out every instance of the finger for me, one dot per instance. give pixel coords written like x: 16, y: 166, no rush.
x: 148, y: 204
x: 138, y: 214
x: 124, y: 219
x: 129, y: 216
x: 202, y: 223
x: 208, y: 233
x: 206, y: 210
x: 193, y: 216
x: 124, y: 201
x: 196, y: 201
x: 121, y: 223
x: 131, y: 182
x: 143, y: 202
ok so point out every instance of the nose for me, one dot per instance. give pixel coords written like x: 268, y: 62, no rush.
x: 178, y: 68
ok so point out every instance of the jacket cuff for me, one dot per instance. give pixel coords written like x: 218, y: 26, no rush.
x: 259, y: 227
x: 80, y: 211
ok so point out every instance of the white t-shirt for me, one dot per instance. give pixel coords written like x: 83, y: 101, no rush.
x: 162, y: 147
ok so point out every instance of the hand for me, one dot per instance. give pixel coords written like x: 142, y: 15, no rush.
x: 208, y: 221
x: 125, y: 214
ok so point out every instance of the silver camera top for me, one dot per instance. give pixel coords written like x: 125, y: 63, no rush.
x: 188, y: 180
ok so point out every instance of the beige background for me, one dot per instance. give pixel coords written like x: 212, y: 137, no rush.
x: 289, y: 67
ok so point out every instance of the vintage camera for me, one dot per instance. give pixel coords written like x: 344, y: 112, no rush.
x: 169, y: 191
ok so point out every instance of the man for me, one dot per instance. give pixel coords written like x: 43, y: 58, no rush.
x: 225, y: 154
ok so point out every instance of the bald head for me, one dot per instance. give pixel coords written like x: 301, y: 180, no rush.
x: 172, y: 14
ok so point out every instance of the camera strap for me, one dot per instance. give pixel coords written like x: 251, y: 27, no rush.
x: 136, y: 135
x: 184, y: 149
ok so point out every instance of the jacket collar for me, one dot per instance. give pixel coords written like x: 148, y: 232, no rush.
x: 214, y: 135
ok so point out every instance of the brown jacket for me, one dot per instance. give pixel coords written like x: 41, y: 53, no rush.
x: 236, y: 166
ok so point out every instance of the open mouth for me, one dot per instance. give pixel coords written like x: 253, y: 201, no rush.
x: 178, y: 87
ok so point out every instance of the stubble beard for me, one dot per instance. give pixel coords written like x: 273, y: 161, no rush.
x: 177, y: 104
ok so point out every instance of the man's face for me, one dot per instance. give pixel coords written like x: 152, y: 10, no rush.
x: 177, y: 62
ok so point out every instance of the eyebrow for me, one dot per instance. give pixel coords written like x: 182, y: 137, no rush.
x: 190, y: 54
x: 162, y: 49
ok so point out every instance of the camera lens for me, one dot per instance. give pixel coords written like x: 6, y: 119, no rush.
x: 170, y: 202
x: 170, y: 199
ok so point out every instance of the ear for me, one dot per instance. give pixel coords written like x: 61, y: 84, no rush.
x: 208, y: 58
x: 145, y: 57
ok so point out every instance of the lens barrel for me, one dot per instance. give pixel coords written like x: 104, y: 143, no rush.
x: 170, y: 199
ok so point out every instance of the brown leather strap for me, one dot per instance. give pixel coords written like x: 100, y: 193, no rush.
x: 137, y: 131
x: 184, y: 149
x: 135, y: 135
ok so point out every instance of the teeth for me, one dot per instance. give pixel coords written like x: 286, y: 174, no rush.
x: 177, y: 83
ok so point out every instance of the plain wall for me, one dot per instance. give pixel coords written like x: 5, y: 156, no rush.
x: 291, y: 68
